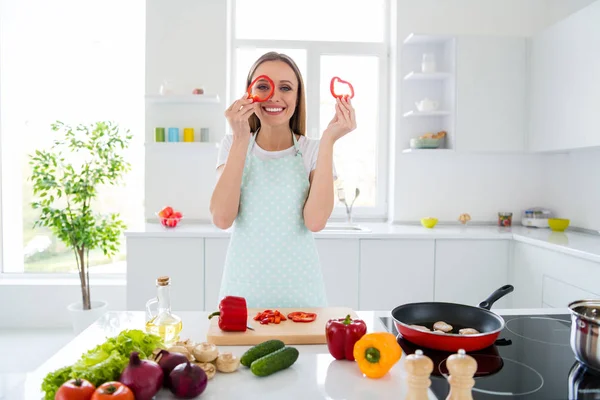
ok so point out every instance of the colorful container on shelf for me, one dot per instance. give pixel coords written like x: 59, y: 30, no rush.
x: 173, y: 134
x: 188, y: 134
x: 159, y: 134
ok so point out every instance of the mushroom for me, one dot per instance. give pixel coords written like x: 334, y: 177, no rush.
x: 227, y: 362
x: 438, y: 331
x: 442, y: 326
x: 420, y: 327
x: 187, y: 343
x: 181, y: 350
x: 205, y: 352
x: 468, y: 331
x: 209, y: 368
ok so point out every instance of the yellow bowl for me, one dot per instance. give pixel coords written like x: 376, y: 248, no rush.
x: 429, y: 222
x: 558, y: 224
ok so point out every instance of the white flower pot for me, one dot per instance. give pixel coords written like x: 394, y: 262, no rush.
x: 81, y: 318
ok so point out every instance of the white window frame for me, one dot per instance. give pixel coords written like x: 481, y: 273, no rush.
x: 314, y: 50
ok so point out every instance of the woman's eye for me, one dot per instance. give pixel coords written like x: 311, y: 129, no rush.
x: 286, y: 88
x: 263, y: 87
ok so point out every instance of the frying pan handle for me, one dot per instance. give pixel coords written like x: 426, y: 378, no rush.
x: 498, y: 294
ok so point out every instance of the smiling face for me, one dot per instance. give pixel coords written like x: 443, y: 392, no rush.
x: 280, y: 108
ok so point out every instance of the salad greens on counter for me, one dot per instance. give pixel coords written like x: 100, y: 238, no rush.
x: 105, y: 362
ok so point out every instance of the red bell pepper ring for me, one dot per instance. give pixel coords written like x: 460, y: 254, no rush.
x: 341, y: 336
x: 300, y: 316
x: 339, y: 96
x: 233, y: 314
x: 256, y: 98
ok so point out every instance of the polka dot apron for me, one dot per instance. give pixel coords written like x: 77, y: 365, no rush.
x: 272, y: 260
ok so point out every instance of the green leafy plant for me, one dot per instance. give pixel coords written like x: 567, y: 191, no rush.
x: 66, y: 178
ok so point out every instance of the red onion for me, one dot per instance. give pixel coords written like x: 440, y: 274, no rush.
x: 187, y: 381
x: 143, y: 377
x: 167, y: 361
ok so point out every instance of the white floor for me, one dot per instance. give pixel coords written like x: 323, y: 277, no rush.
x: 22, y: 351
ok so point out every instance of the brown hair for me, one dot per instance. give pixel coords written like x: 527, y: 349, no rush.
x: 298, y: 120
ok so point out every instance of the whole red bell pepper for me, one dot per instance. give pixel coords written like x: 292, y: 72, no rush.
x: 341, y: 336
x: 233, y: 314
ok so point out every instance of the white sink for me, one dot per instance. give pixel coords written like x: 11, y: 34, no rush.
x: 344, y: 228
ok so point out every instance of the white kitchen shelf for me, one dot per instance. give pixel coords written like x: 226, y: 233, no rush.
x: 426, y: 114
x: 437, y: 151
x: 183, y: 99
x: 182, y: 145
x: 420, y: 76
x: 415, y: 38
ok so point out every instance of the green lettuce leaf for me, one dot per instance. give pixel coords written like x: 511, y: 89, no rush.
x: 105, y: 362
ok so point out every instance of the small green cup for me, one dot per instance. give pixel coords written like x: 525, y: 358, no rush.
x: 159, y: 134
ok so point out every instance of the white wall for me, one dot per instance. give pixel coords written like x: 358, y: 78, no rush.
x: 445, y: 186
x: 572, y: 184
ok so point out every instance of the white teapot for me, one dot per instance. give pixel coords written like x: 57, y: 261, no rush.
x: 427, y: 105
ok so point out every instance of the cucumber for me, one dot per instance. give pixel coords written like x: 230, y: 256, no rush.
x: 261, y: 350
x: 276, y: 361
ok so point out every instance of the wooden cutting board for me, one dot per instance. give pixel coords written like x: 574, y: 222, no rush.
x: 289, y: 332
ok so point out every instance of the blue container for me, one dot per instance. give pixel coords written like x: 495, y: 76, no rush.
x: 173, y: 134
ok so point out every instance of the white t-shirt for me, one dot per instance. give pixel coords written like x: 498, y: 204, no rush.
x: 308, y: 147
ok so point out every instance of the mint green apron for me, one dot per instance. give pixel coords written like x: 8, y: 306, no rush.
x: 272, y: 260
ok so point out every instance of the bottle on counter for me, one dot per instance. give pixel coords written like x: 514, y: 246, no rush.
x: 161, y: 321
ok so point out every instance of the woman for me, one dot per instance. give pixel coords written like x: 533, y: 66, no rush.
x: 277, y: 185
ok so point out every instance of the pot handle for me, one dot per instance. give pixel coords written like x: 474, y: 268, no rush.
x: 497, y: 295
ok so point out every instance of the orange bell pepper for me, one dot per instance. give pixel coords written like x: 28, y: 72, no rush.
x: 376, y: 353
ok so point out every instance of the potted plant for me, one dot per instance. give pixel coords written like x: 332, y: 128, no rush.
x: 66, y: 179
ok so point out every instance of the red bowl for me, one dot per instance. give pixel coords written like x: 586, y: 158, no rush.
x: 169, y: 222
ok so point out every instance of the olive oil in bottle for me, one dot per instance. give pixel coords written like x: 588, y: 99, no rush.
x: 162, y: 321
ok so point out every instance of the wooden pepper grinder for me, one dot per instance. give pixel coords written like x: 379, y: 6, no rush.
x: 462, y: 368
x: 419, y: 369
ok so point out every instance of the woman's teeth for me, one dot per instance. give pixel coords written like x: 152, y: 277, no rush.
x: 273, y: 110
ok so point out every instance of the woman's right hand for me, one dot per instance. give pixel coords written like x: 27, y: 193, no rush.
x: 238, y: 114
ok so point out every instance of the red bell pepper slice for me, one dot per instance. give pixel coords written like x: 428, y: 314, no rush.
x: 332, y: 88
x: 233, y: 314
x: 300, y: 316
x: 341, y: 336
x: 255, y: 97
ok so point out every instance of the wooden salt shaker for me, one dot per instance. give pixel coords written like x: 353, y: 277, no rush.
x: 462, y: 368
x: 419, y: 369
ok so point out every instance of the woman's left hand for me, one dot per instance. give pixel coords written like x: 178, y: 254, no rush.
x: 344, y: 120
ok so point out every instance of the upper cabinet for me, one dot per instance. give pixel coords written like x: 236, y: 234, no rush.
x: 473, y: 88
x: 565, y: 83
x: 491, y: 101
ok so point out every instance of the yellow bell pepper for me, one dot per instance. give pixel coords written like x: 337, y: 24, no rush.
x: 376, y: 353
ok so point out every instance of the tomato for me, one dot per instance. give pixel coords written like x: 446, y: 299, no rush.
x: 75, y: 389
x: 166, y: 212
x: 113, y: 391
x: 177, y: 214
x: 300, y: 316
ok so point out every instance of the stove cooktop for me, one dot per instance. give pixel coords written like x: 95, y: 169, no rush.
x: 532, y: 359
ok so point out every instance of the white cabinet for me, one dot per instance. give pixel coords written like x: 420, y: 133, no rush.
x: 491, y: 98
x: 180, y: 258
x: 339, y: 262
x: 565, y: 95
x: 468, y: 271
x: 546, y: 278
x: 394, y: 272
x: 215, y: 250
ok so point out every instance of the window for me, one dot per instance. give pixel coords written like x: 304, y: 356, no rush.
x: 346, y: 39
x: 77, y: 62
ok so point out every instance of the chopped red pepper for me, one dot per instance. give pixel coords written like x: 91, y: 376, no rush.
x: 233, y: 314
x: 269, y: 317
x: 300, y: 316
x: 341, y: 336
x: 261, y: 93
x: 332, y: 88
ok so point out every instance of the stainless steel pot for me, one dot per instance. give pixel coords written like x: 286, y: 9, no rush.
x: 585, y: 329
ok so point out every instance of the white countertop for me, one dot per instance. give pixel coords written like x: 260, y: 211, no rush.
x: 316, y: 374
x: 573, y: 243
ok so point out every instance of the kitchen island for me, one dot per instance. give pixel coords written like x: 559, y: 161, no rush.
x: 316, y: 375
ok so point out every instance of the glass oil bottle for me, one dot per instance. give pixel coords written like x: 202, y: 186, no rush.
x: 161, y: 321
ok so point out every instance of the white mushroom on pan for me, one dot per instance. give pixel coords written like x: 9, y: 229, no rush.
x: 420, y: 327
x: 468, y: 331
x: 442, y: 326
